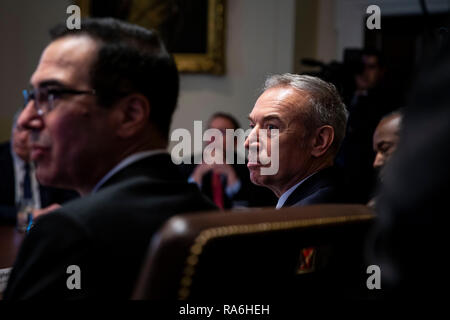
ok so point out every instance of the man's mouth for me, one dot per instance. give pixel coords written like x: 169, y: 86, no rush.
x: 38, y: 151
x: 253, y: 165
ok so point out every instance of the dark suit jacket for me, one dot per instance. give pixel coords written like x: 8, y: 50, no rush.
x: 8, y: 210
x: 106, y: 234
x: 324, y: 186
x: 249, y: 195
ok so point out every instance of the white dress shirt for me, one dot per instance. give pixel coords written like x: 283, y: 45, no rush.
x: 19, y: 177
x: 286, y: 195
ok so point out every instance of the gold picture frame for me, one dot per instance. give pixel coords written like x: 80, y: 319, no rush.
x: 151, y: 13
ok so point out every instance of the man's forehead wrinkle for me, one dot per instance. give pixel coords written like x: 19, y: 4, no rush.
x: 274, y: 107
x: 270, y: 111
x: 61, y: 61
x: 272, y: 116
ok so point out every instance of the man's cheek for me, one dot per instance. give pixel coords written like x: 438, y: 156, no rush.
x: 268, y: 148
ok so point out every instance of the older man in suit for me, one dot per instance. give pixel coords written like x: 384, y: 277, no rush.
x: 228, y: 185
x: 99, y: 115
x: 311, y: 119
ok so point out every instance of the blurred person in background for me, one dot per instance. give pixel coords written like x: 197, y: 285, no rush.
x: 385, y: 142
x: 18, y: 183
x: 368, y: 102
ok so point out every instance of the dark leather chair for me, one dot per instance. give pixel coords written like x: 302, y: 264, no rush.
x: 297, y: 252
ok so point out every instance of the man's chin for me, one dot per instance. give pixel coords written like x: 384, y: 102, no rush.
x: 45, y: 178
x: 256, y: 178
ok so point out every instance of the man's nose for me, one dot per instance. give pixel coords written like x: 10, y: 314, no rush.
x: 29, y: 118
x: 379, y: 160
x: 246, y: 143
x: 251, y: 138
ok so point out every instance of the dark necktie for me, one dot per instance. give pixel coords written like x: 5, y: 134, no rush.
x: 27, y: 194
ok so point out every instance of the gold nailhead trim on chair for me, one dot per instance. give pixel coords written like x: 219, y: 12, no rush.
x: 213, y: 233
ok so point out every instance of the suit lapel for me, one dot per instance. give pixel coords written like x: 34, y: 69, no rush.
x: 310, y: 185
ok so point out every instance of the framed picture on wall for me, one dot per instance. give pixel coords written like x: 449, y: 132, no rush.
x: 193, y: 30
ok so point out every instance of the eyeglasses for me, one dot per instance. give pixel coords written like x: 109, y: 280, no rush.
x: 44, y: 98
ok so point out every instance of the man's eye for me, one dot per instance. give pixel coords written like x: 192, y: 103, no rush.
x: 385, y: 148
x: 251, y: 126
x: 271, y: 127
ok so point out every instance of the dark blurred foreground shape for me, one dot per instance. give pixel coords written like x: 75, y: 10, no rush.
x: 410, y: 237
x: 259, y: 254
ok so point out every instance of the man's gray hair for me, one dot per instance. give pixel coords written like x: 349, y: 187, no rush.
x: 326, y: 106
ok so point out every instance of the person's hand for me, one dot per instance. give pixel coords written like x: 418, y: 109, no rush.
x: 40, y: 212
x: 200, y: 171
x: 228, y: 171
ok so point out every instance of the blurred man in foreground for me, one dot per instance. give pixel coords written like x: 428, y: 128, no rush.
x: 99, y: 113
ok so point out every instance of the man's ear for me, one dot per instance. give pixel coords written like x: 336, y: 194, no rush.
x: 134, y: 112
x: 322, y: 140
